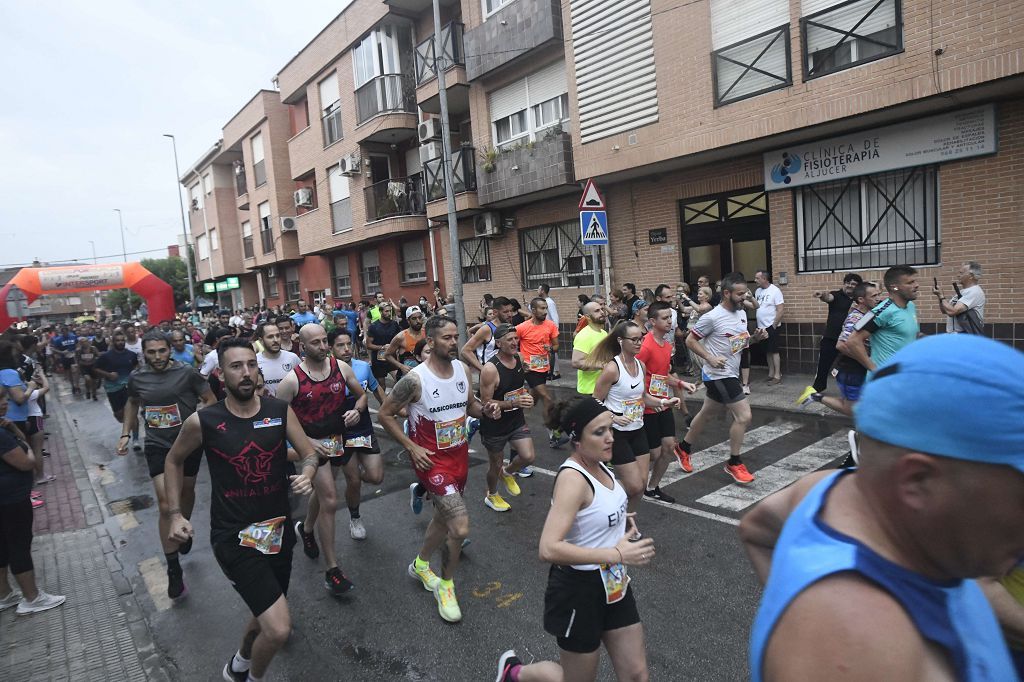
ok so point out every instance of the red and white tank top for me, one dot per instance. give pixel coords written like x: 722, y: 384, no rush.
x: 318, y: 404
x: 437, y: 421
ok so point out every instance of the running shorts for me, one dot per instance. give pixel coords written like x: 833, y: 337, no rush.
x: 66, y: 362
x: 118, y: 399
x: 496, y: 443
x: 447, y: 476
x: 534, y: 379
x: 850, y: 385
x: 260, y: 579
x: 351, y: 451
x: 629, y: 445
x: 575, y: 611
x: 658, y: 425
x: 155, y: 457
x: 725, y: 391
x: 745, y: 359
x: 34, y: 426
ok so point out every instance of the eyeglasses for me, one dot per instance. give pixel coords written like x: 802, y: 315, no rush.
x: 634, y: 339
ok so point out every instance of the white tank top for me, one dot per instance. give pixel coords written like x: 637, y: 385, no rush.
x: 489, y: 349
x: 437, y: 421
x: 276, y: 369
x: 626, y: 396
x: 603, y: 522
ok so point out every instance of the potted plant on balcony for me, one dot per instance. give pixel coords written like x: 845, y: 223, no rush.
x: 488, y: 157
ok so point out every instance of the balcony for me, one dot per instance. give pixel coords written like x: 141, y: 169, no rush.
x: 395, y: 197
x: 267, y: 240
x: 517, y: 29
x: 538, y: 169
x: 241, y: 191
x: 452, y: 61
x: 463, y: 182
x: 416, y: 6
x: 391, y: 100
x: 247, y: 248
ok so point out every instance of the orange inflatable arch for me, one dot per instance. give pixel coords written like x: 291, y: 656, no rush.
x: 35, y: 282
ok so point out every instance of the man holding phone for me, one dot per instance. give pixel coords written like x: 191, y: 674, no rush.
x: 965, y: 312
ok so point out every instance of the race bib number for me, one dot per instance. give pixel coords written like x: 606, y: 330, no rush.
x: 615, y: 580
x: 450, y: 434
x: 659, y: 386
x: 334, y: 445
x: 539, y: 363
x: 162, y: 416
x: 264, y: 536
x: 358, y: 442
x: 517, y: 395
x: 739, y: 342
x: 633, y: 410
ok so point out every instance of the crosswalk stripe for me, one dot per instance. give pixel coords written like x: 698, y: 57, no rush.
x: 718, y: 453
x: 777, y: 476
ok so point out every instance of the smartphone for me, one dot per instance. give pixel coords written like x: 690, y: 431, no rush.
x: 936, y: 281
x: 956, y: 288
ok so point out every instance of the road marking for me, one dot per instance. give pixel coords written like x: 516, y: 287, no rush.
x: 127, y: 521
x: 777, y: 476
x: 719, y: 452
x: 671, y: 505
x: 155, y: 576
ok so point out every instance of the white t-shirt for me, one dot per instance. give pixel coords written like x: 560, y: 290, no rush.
x: 210, y: 363
x: 552, y: 310
x: 33, y: 404
x: 768, y: 299
x: 276, y: 369
x: 135, y: 347
x: 972, y: 297
x: 235, y: 321
x: 724, y: 333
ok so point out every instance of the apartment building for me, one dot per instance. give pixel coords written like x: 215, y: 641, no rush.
x: 809, y: 137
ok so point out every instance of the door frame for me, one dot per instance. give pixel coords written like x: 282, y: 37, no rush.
x: 724, y: 230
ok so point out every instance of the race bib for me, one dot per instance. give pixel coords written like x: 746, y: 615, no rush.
x: 264, y: 536
x: 381, y: 354
x: 615, y: 581
x: 162, y: 416
x: 633, y: 410
x: 450, y: 434
x: 659, y: 386
x: 334, y: 445
x: 739, y: 342
x: 358, y: 442
x: 539, y: 363
x: 410, y: 362
x: 517, y: 395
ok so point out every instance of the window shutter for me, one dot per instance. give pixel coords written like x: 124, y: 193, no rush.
x: 329, y: 92
x: 257, y: 148
x: 547, y: 83
x: 507, y: 100
x: 735, y: 20
x: 844, y: 19
x: 338, y: 184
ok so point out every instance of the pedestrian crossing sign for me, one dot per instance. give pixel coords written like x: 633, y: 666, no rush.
x: 594, y: 228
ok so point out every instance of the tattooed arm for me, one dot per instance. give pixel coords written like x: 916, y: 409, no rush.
x: 405, y: 392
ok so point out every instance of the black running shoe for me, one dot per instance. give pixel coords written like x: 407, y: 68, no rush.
x: 506, y: 663
x: 185, y: 547
x: 336, y: 582
x: 656, y: 494
x: 309, y: 546
x: 230, y: 675
x: 175, y: 584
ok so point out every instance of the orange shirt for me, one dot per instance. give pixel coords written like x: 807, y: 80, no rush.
x: 532, y: 339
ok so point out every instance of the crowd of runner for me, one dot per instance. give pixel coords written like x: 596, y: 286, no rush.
x: 279, y: 402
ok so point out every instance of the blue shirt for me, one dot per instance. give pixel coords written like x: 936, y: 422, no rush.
x: 954, y: 616
x: 365, y: 377
x: 65, y: 343
x: 303, y: 318
x: 891, y: 327
x: 187, y: 356
x: 10, y: 378
x: 353, y: 320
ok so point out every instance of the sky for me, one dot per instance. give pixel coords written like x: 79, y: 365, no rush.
x: 89, y: 90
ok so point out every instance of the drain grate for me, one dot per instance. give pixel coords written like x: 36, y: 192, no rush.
x: 128, y: 504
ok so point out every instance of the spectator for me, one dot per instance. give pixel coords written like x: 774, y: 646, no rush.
x: 769, y: 318
x: 965, y: 312
x: 449, y: 306
x: 839, y: 302
x: 695, y: 310
x: 617, y: 309
x: 629, y: 296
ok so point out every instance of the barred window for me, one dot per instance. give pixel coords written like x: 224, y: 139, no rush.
x: 476, y: 260
x: 342, y: 278
x: 413, y: 265
x: 849, y: 33
x: 753, y: 66
x: 553, y: 254
x: 874, y: 221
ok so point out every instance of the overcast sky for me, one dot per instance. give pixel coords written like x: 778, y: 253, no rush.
x: 89, y: 90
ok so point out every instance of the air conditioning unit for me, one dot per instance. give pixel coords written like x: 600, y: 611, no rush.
x: 349, y: 165
x: 288, y: 224
x: 431, y: 150
x: 303, y: 197
x: 487, y: 224
x: 430, y: 129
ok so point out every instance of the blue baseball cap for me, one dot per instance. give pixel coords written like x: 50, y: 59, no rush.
x: 954, y: 395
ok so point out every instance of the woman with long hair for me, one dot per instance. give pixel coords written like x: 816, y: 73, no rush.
x: 703, y: 305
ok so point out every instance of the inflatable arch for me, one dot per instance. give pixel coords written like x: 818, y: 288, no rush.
x: 35, y: 282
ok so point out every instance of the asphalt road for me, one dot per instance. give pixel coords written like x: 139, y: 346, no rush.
x: 696, y: 600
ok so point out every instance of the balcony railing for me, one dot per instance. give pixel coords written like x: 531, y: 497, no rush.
x: 341, y: 215
x: 240, y: 182
x: 267, y: 238
x: 452, y: 53
x: 383, y: 94
x: 395, y: 197
x: 247, y: 249
x: 463, y: 173
x: 259, y: 171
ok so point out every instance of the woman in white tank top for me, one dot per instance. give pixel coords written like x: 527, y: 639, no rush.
x: 586, y: 538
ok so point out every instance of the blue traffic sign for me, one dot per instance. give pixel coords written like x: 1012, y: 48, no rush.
x: 594, y: 228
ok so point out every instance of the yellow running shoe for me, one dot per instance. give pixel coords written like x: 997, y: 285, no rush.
x: 447, y: 604
x: 425, y: 576
x: 496, y: 502
x: 805, y: 396
x: 509, y: 481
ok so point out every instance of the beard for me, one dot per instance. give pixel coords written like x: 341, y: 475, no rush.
x: 243, y: 392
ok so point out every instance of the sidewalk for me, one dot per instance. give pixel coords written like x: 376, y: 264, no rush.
x: 99, y: 633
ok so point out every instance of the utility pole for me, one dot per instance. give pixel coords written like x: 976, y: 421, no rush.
x: 449, y: 190
x: 184, y: 227
x: 124, y: 253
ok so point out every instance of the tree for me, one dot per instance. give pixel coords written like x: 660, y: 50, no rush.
x: 170, y: 270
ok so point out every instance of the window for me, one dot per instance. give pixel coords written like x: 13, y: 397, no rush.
x: 258, y: 165
x: 341, y: 206
x: 382, y: 64
x: 492, y: 6
x: 476, y: 260
x: 874, y: 221
x: 342, y: 280
x: 74, y: 300
x: 330, y: 109
x: 747, y: 59
x: 298, y: 116
x: 414, y: 263
x: 266, y: 234
x: 521, y: 110
x: 554, y: 255
x: 214, y: 240
x: 291, y: 283
x: 271, y: 273
x: 203, y: 246
x: 247, y: 250
x: 196, y: 197
x: 208, y: 183
x: 369, y: 271
x: 837, y: 36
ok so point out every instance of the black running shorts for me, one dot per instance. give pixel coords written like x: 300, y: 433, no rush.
x: 629, y: 445
x: 118, y: 399
x: 576, y: 613
x: 260, y: 579
x: 725, y: 391
x: 534, y: 379
x: 155, y: 457
x: 659, y: 425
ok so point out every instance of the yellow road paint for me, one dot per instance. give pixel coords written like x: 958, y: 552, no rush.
x: 155, y: 576
x: 487, y: 591
x: 509, y: 599
x: 127, y: 520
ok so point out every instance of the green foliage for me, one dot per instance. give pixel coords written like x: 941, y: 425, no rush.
x: 170, y: 270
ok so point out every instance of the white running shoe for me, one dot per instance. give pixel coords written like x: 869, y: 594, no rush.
x: 356, y: 529
x: 42, y: 602
x: 10, y: 600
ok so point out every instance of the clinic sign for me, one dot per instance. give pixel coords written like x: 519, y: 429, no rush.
x: 935, y: 139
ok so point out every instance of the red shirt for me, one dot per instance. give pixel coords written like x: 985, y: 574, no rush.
x: 532, y: 339
x: 657, y: 359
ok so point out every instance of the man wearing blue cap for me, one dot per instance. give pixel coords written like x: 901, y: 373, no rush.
x: 871, y: 569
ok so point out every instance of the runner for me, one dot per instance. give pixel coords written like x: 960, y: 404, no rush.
x: 622, y: 388
x: 114, y: 367
x: 400, y: 353
x: 132, y: 341
x: 718, y: 339
x: 544, y: 291
x: 64, y: 345
x: 183, y: 352
x: 250, y: 531
x: 503, y: 382
x: 538, y: 344
x: 584, y: 343
x: 870, y: 568
x: 377, y: 338
x: 891, y: 324
x: 588, y: 538
x: 316, y: 391
x: 481, y: 346
x: 275, y: 364
x: 439, y: 397
x: 168, y: 392
x: 85, y: 359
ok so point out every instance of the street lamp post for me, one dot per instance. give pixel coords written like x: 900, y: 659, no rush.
x: 184, y: 227
x: 124, y: 253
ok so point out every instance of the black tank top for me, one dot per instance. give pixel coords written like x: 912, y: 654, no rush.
x: 248, y: 462
x: 509, y: 381
x: 319, y: 404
